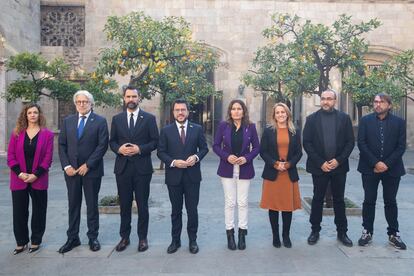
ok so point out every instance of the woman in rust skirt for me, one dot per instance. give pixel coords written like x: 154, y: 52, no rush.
x: 281, y: 150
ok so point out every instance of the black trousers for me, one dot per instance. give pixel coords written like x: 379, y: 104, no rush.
x: 320, y: 183
x: 390, y: 186
x: 189, y: 193
x: 20, y: 200
x: 129, y: 182
x: 91, y: 187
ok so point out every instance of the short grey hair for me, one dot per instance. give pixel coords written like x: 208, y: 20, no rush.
x: 330, y: 90
x: 86, y: 94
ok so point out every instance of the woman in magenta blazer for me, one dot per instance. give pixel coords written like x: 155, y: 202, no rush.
x: 237, y: 144
x: 29, y: 157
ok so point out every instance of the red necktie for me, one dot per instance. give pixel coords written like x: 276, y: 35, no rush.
x: 182, y: 135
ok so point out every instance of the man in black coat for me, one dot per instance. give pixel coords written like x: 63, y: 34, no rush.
x: 328, y: 139
x: 83, y: 141
x: 181, y: 147
x: 381, y: 142
x: 134, y: 135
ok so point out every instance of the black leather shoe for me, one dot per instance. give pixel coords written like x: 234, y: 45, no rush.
x: 33, y: 248
x: 342, y: 237
x: 313, y: 238
x: 94, y: 245
x: 143, y: 245
x: 19, y: 250
x: 173, y: 246
x: 69, y: 245
x: 193, y: 247
x: 122, y: 245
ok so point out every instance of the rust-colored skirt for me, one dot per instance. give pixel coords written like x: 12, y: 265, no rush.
x: 281, y: 194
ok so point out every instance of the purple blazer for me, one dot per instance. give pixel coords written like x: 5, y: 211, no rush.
x: 250, y: 149
x: 43, y: 158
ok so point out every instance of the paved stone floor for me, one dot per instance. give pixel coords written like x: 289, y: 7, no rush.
x: 328, y: 257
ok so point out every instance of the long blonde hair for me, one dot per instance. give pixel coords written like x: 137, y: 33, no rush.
x: 290, y: 124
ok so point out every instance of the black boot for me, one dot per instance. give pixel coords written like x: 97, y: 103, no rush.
x: 242, y: 238
x: 231, y: 243
x: 287, y: 220
x: 286, y: 241
x: 274, y: 223
x: 276, y: 240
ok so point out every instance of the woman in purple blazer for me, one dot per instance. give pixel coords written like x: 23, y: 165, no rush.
x: 237, y: 144
x: 29, y: 157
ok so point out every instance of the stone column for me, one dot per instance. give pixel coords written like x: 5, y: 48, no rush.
x: 3, y: 108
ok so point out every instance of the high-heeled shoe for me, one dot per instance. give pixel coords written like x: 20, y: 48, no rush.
x: 19, y: 250
x: 34, y: 248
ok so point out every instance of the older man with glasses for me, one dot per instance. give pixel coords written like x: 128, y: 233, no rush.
x: 83, y: 141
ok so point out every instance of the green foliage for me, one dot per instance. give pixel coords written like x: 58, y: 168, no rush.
x: 49, y: 79
x: 299, y: 57
x: 159, y: 56
x: 400, y: 70
x: 363, y: 86
x: 394, y: 77
x: 110, y: 200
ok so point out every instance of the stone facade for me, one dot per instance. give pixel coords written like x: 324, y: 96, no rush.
x: 234, y: 29
x: 20, y: 30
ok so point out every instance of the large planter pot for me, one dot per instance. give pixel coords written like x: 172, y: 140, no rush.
x: 351, y: 208
x: 112, y: 206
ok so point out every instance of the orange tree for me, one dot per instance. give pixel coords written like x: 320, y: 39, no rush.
x: 299, y: 56
x: 394, y: 77
x: 159, y: 56
x: 42, y: 78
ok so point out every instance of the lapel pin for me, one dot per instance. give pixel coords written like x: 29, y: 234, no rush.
x: 142, y: 117
x: 191, y: 125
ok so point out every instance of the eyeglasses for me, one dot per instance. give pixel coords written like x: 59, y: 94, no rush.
x: 82, y: 102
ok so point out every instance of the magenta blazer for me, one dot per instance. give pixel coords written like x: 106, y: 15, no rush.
x: 43, y: 158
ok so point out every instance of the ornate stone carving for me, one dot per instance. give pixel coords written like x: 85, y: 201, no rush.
x: 62, y: 26
x: 73, y: 57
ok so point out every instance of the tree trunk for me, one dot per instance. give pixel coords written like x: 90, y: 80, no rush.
x: 162, y: 121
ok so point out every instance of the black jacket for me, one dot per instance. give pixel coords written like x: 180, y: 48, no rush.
x: 269, y: 153
x: 89, y: 149
x: 145, y: 135
x: 170, y: 148
x: 370, y: 146
x: 314, y: 145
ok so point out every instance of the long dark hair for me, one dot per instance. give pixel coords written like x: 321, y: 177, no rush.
x: 22, y: 122
x: 245, y: 120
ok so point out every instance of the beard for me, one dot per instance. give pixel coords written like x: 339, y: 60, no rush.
x: 132, y: 105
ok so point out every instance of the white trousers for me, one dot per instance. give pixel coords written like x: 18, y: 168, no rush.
x: 235, y: 191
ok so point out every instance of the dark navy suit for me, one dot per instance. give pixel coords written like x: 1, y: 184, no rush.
x: 183, y: 182
x: 90, y: 149
x: 134, y: 173
x: 381, y: 140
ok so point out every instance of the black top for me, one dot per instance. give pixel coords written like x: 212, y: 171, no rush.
x: 389, y: 149
x: 328, y: 120
x: 29, y: 153
x: 382, y: 127
x: 236, y: 140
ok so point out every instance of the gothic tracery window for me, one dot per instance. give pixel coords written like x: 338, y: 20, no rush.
x: 62, y: 26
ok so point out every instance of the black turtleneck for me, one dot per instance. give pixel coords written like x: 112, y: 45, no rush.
x: 328, y: 119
